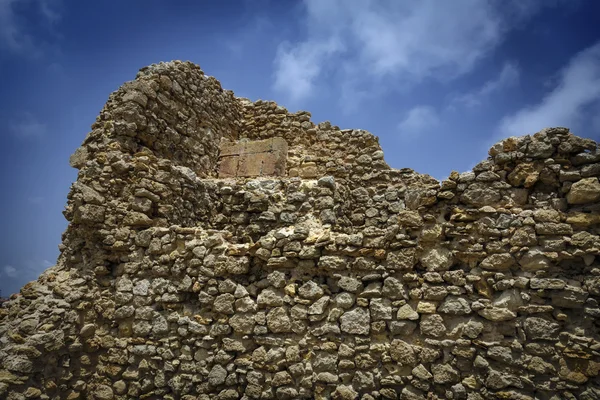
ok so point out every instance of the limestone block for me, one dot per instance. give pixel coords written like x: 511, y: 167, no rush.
x: 253, y: 158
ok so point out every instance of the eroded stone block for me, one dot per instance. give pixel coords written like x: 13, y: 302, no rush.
x: 253, y: 158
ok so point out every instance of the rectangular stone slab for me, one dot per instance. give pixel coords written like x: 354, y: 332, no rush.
x: 253, y: 158
x: 228, y: 167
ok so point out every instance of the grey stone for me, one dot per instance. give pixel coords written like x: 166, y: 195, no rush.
x: 356, y: 321
x: 363, y: 380
x: 278, y: 320
x: 217, y: 375
x: 437, y: 259
x: 432, y: 325
x: 380, y: 309
x: 310, y: 290
x: 455, y: 306
x: 394, y: 289
x: 224, y: 303
x: 540, y: 328
x: 403, y: 353
x: 270, y: 298
x: 319, y: 306
x: 350, y: 284
x: 242, y: 323
x: 444, y: 374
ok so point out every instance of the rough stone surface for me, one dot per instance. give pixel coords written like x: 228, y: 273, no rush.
x: 584, y: 191
x: 253, y: 158
x: 219, y: 248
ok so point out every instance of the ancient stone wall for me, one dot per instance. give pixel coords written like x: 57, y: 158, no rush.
x: 342, y: 278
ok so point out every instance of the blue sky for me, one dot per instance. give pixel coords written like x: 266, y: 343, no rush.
x: 438, y: 81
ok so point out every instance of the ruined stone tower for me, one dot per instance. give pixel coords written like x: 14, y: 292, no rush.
x: 224, y: 249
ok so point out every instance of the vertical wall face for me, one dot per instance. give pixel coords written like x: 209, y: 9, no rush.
x: 341, y: 278
x: 323, y: 149
x: 140, y: 166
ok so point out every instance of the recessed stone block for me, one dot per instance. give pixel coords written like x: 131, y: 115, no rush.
x: 253, y: 158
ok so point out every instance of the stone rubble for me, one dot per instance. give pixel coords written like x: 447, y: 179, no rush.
x: 342, y: 278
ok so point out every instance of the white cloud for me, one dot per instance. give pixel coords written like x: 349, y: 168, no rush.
x: 27, y: 127
x: 297, y: 67
x: 509, y: 75
x: 27, y: 269
x: 10, y: 271
x: 393, y: 42
x: 15, y: 31
x: 418, y: 120
x: 577, y: 89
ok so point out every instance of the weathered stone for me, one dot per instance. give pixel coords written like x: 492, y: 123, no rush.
x: 217, y: 375
x: 498, y: 262
x: 253, y: 158
x: 319, y: 306
x: 402, y: 353
x: 479, y: 194
x: 534, y: 260
x: 271, y: 298
x: 540, y: 328
x: 421, y: 372
x: 437, y: 259
x: 344, y: 392
x: 407, y: 312
x: 394, y: 289
x: 224, y: 303
x: 18, y: 364
x: 426, y: 307
x: 87, y: 330
x: 585, y: 191
x: 242, y: 323
x: 351, y: 285
x: 310, y: 290
x: 496, y: 380
x: 103, y: 392
x: 444, y: 374
x: 472, y: 329
x: 356, y: 321
x: 278, y: 320
x: 432, y: 325
x: 363, y: 381
x: 454, y: 306
x: 380, y: 309
x: 497, y: 314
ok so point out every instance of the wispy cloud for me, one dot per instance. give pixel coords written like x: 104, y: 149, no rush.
x: 26, y: 270
x: 297, y: 67
x: 27, y: 127
x: 10, y: 271
x: 392, y: 43
x: 21, y: 22
x: 418, y: 120
x: 508, y: 76
x: 568, y: 103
